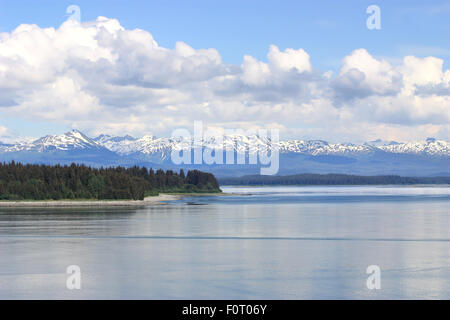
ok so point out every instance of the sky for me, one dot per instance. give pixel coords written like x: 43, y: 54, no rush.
x: 312, y: 69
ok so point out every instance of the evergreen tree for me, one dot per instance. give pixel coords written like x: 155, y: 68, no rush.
x: 43, y: 182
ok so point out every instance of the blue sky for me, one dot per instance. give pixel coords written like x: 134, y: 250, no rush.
x: 327, y: 30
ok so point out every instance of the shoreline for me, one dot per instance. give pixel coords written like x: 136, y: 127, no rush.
x: 161, y: 199
x: 155, y: 200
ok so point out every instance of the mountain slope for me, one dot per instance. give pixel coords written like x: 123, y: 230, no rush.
x: 72, y: 140
x: 252, y: 144
x: 430, y: 157
x: 72, y: 146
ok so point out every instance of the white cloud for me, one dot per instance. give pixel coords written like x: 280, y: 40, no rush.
x: 362, y: 72
x: 100, y: 77
x: 255, y: 73
x: 7, y: 136
x: 421, y: 72
x: 3, y: 131
x: 289, y: 59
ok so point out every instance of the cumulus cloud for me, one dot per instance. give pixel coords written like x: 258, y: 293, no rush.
x: 3, y: 131
x: 102, y: 78
x: 6, y: 136
x: 362, y: 75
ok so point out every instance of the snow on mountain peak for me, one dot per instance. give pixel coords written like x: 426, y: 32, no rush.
x: 240, y: 143
x: 430, y: 147
x: 150, y: 145
x: 70, y: 140
x: 380, y: 142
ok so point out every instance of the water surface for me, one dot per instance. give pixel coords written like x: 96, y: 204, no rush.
x: 266, y: 243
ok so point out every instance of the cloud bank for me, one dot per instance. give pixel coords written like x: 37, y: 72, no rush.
x: 102, y: 78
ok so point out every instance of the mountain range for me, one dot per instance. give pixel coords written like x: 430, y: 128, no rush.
x: 425, y: 158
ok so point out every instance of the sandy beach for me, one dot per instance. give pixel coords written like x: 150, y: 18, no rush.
x: 156, y: 200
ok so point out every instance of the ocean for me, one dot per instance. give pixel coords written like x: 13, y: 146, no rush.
x: 288, y: 242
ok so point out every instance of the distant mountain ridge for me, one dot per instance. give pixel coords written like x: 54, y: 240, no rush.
x: 69, y: 141
x: 150, y: 144
x: 426, y: 158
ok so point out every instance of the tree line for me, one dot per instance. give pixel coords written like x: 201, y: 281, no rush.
x: 44, y: 182
x: 331, y: 179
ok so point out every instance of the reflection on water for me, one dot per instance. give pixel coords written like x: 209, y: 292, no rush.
x: 273, y: 243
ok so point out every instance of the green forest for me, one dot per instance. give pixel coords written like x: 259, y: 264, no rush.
x: 43, y: 182
x: 332, y: 179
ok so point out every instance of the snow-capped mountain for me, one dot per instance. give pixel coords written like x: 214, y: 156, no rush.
x: 65, y: 142
x: 379, y: 142
x: 430, y: 157
x: 72, y: 146
x: 319, y: 147
x: 2, y: 144
x: 146, y: 145
x: 430, y: 147
x: 149, y: 145
x: 114, y: 143
x: 251, y: 144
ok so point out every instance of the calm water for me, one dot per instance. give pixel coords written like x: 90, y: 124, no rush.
x: 267, y: 243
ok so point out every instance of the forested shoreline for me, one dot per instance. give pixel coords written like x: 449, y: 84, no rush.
x: 332, y: 179
x: 44, y: 182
